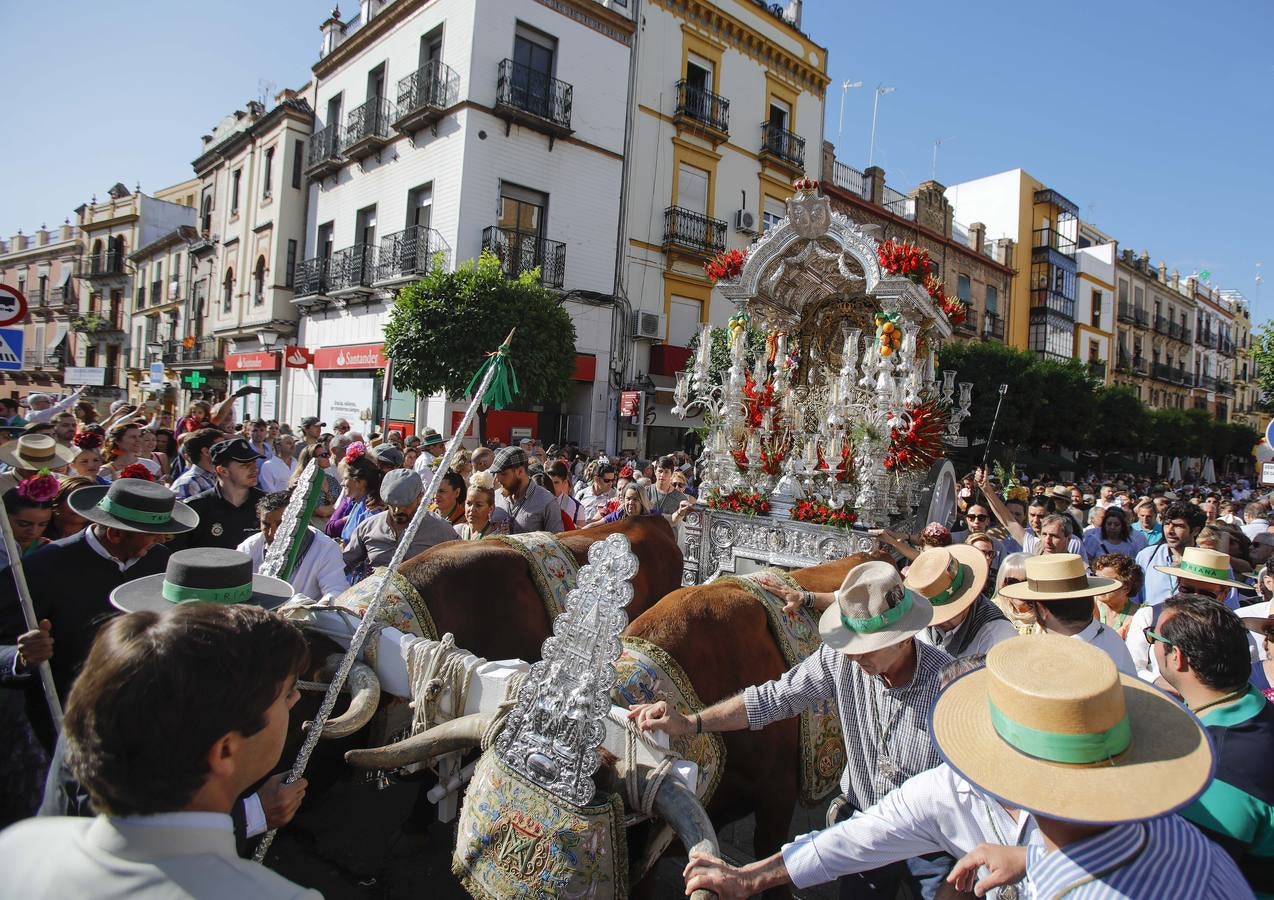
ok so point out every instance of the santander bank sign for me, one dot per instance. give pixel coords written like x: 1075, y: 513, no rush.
x: 357, y: 356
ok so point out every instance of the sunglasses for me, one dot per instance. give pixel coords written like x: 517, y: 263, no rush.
x: 974, y: 517
x: 608, y: 481
x: 1152, y: 636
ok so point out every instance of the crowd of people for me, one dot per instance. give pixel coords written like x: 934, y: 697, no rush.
x: 1118, y: 751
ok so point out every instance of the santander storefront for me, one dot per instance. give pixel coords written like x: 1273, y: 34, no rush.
x: 349, y: 384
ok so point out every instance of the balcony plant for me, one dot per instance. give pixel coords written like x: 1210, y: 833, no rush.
x: 89, y: 324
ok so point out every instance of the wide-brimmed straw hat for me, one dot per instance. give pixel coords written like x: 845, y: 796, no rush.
x: 1057, y: 576
x: 36, y: 451
x: 1060, y: 491
x: 205, y: 575
x: 1198, y: 564
x: 131, y: 504
x: 1049, y: 725
x: 950, y: 578
x: 873, y: 611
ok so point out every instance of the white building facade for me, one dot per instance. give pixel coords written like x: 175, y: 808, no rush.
x: 442, y: 129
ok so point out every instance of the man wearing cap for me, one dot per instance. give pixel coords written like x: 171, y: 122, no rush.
x: 529, y: 506
x: 1182, y: 523
x: 41, y: 408
x: 29, y: 454
x: 319, y: 569
x: 71, y: 580
x: 165, y: 759
x: 1200, y: 572
x: 376, y: 537
x: 312, y: 428
x: 228, y: 512
x: 387, y: 457
x: 1100, y: 760
x: 883, y: 683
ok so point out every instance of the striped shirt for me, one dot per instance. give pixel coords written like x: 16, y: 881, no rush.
x: 1161, y: 858
x: 194, y: 480
x: 866, y: 707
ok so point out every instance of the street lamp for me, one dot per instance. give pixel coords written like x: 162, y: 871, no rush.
x: 844, y: 89
x: 154, y: 348
x: 268, y: 338
x: 881, y: 90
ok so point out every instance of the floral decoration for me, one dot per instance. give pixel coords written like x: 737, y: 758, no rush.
x: 919, y: 445
x: 725, y: 265
x: 87, y: 440
x: 40, y: 488
x: 356, y: 450
x: 136, y: 470
x: 902, y: 258
x: 189, y: 341
x: 818, y: 513
x: 750, y: 503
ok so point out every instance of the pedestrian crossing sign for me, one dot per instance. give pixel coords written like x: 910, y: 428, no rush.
x: 10, y: 349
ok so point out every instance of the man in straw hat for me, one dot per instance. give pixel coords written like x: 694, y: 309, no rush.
x: 166, y: 759
x: 30, y: 453
x: 964, y: 622
x: 1199, y: 572
x: 1100, y: 759
x: 883, y: 683
x: 1060, y: 591
x: 1182, y: 523
x: 71, y: 580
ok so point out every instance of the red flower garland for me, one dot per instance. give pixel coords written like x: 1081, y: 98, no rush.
x: 136, y: 470
x: 921, y: 444
x: 354, y: 451
x: 725, y: 265
x: 902, y: 258
x: 819, y: 513
x: 750, y: 503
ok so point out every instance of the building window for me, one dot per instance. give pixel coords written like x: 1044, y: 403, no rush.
x: 43, y: 288
x: 1096, y: 318
x: 234, y: 191
x: 964, y: 289
x: 692, y: 189
x: 227, y: 298
x: 772, y: 213
x: 1123, y: 292
x: 267, y: 177
x: 420, y: 206
x: 1094, y: 351
x: 290, y: 274
x: 205, y: 215
x: 258, y: 283
x: 298, y: 161
x: 992, y: 301
x: 522, y: 213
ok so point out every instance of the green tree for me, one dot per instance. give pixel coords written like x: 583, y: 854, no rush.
x: 1263, y: 357
x: 719, y: 360
x: 1065, y: 403
x: 987, y: 366
x: 1121, y: 424
x: 442, y: 327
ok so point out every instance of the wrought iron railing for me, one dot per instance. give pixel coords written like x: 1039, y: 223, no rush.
x: 434, y: 85
x: 703, y: 106
x: 1097, y: 369
x: 777, y: 141
x: 325, y: 146
x: 310, y: 277
x: 1207, y: 382
x: 353, y: 267
x: 993, y: 326
x: 1140, y: 366
x: 368, y: 122
x: 536, y: 93
x: 1141, y: 316
x: 411, y: 253
x: 197, y: 350
x: 970, y: 323
x: 110, y: 262
x: 689, y: 230
x: 1125, y: 311
x: 520, y: 252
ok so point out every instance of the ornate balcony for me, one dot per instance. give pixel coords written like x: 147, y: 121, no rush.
x: 1097, y: 369
x: 425, y: 95
x: 1125, y: 312
x: 100, y: 328
x: 192, y: 351
x: 350, y: 272
x: 700, y: 110
x: 970, y: 324
x: 993, y: 327
x: 528, y: 97
x: 1141, y: 316
x: 367, y: 128
x: 1207, y: 382
x: 310, y: 278
x: 408, y: 255
x: 324, y: 154
x: 109, y: 266
x: 521, y: 252
x: 1140, y: 366
x: 783, y: 148
x: 1123, y: 362
x: 693, y: 233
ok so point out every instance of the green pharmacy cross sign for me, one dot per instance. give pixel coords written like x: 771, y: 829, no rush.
x: 195, y: 379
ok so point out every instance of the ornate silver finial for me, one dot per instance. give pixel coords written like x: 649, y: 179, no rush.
x: 809, y: 213
x: 553, y: 733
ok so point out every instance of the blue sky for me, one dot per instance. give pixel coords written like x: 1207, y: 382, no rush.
x: 1156, y: 118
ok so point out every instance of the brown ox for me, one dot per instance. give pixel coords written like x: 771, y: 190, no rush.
x: 720, y: 636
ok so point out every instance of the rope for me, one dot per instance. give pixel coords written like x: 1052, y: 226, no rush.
x: 496, y: 725
x: 638, y: 799
x: 436, y: 669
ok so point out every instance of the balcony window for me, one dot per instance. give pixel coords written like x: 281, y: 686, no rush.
x: 519, y: 252
x: 992, y: 301
x: 267, y: 175
x: 227, y: 292
x: 698, y: 105
x: 964, y: 289
x: 234, y: 191
x: 781, y: 145
x: 258, y: 283
x: 532, y: 97
x: 425, y: 94
x: 411, y: 253
x: 1095, y: 318
x: 688, y: 231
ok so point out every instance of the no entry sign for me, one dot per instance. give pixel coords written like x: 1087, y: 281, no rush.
x: 13, y: 306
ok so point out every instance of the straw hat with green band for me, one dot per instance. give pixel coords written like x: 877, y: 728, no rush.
x: 1209, y: 566
x: 132, y: 504
x: 1058, y: 576
x: 951, y: 578
x: 1049, y: 725
x: 873, y: 611
x: 202, y: 575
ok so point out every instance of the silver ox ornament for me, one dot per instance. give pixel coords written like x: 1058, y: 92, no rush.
x: 553, y: 733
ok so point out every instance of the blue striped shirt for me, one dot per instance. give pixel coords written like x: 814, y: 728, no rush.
x: 1161, y: 858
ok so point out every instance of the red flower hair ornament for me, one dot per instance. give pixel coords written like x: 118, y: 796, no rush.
x: 137, y: 470
x: 354, y: 451
x: 39, y: 488
x: 87, y: 440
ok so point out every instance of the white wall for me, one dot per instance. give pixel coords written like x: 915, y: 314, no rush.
x: 995, y: 201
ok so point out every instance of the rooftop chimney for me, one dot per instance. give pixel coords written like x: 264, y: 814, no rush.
x: 1163, y: 271
x: 1176, y: 279
x: 42, y: 236
x: 331, y: 30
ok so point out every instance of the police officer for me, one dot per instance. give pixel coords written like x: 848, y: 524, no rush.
x: 227, y: 512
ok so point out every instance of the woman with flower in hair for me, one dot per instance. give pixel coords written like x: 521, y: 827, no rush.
x: 29, y: 507
x: 361, y: 488
x: 122, y: 445
x: 479, y: 503
x: 88, y: 458
x: 147, y: 452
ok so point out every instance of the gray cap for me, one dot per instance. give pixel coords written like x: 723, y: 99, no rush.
x: 401, y: 487
x: 387, y: 455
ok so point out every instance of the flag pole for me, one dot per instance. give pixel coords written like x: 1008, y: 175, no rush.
x: 28, y: 614
x: 494, y: 375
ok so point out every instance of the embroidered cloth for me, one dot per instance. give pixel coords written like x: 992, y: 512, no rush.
x: 553, y: 567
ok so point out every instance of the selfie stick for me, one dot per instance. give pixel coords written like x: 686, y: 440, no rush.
x: 1004, y: 389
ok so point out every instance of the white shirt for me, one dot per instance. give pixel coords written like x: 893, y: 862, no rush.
x: 46, y: 414
x: 934, y: 811
x: 1255, y: 527
x: 320, y: 572
x: 1256, y: 611
x: 987, y: 637
x: 1142, y: 653
x: 1108, y: 641
x: 90, y: 537
x: 275, y: 474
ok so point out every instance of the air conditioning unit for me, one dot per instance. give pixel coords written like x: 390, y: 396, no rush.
x: 744, y: 221
x: 647, y: 325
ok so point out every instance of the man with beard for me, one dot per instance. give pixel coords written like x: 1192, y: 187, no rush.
x: 376, y: 537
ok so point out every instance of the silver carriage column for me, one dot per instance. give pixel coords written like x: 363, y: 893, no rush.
x: 849, y: 358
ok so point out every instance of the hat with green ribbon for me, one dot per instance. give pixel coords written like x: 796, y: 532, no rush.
x: 202, y: 575
x: 131, y: 504
x: 873, y: 610
x: 1208, y: 566
x: 950, y: 578
x: 1050, y: 726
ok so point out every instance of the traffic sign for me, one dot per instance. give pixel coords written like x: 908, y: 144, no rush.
x: 13, y: 305
x: 1269, y: 433
x: 11, y: 349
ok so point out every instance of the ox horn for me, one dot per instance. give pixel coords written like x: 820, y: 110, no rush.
x: 681, y: 809
x: 463, y: 733
x: 364, y: 698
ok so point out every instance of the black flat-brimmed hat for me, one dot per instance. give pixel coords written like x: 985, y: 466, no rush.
x: 202, y: 575
x: 131, y: 504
